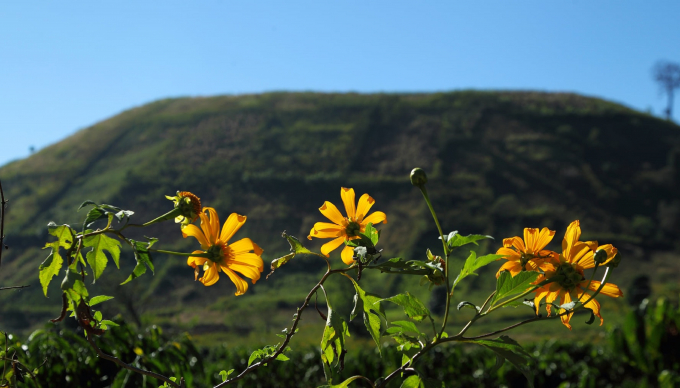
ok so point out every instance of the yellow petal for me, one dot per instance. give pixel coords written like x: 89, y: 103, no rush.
x: 515, y: 242
x: 347, y: 196
x: 365, y: 204
x: 210, y: 276
x: 248, y: 259
x: 328, y: 247
x: 511, y: 266
x: 609, y: 289
x: 571, y: 237
x: 241, y: 285
x: 332, y: 213
x: 593, y: 305
x: 196, y: 261
x: 566, y: 298
x: 246, y: 270
x: 347, y: 255
x: 374, y: 218
x: 508, y: 254
x: 214, y: 222
x: 231, y: 226
x: 245, y: 245
x: 194, y: 231
x: 538, y: 239
x: 540, y: 294
x: 588, y: 262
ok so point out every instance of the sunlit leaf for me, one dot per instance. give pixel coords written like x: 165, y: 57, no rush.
x: 507, y: 285
x: 413, y: 308
x: 96, y: 258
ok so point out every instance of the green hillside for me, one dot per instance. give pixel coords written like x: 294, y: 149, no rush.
x: 497, y: 162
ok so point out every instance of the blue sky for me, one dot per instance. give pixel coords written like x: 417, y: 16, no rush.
x: 66, y: 65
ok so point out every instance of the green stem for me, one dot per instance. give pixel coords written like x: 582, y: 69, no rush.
x: 167, y: 216
x: 207, y: 256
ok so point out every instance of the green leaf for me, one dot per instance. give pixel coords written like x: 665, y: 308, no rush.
x: 333, y: 341
x: 412, y: 382
x: 88, y: 202
x: 295, y: 244
x: 93, y: 215
x: 372, y: 311
x: 282, y: 357
x: 99, y: 299
x: 371, y: 233
x: 276, y: 263
x: 225, y: 375
x: 411, y: 267
x: 510, y: 350
x: 96, y: 258
x: 142, y: 256
x: 507, y: 285
x: 344, y: 384
x: 414, y: 308
x: 63, y: 233
x: 261, y: 354
x: 97, y: 316
x: 109, y: 323
x: 404, y: 326
x: 455, y: 240
x: 474, y: 263
x: 51, y: 266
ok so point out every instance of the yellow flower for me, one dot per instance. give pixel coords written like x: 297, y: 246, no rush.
x: 243, y: 256
x: 570, y: 281
x: 528, y: 254
x: 345, y: 228
x: 189, y: 206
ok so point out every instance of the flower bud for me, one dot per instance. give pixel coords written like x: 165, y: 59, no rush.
x: 418, y: 177
x: 600, y: 256
x: 615, y: 261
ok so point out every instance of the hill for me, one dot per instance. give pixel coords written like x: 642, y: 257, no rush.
x: 497, y: 162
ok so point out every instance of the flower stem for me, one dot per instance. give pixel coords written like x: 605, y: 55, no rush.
x: 167, y: 216
x: 180, y: 253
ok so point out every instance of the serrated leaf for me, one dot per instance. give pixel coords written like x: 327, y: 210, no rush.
x: 51, y: 266
x: 142, y: 256
x: 88, y: 202
x: 413, y: 308
x: 372, y: 311
x: 63, y: 233
x: 455, y: 240
x: 412, y: 382
x: 510, y: 350
x: 333, y: 341
x: 99, y: 299
x: 406, y: 326
x: 295, y: 245
x: 507, y: 285
x: 96, y: 258
x: 93, y: 215
x: 474, y: 263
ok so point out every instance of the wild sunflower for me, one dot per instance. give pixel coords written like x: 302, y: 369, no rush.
x: 188, y: 205
x: 569, y: 280
x: 345, y: 228
x: 243, y: 256
x: 527, y: 254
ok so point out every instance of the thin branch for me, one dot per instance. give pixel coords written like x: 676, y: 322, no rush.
x: 290, y: 332
x: 113, y: 359
x: 12, y: 287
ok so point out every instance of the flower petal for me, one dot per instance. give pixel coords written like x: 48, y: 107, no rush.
x: 365, y: 204
x: 514, y: 267
x: 566, y: 298
x: 540, y: 294
x: 588, y: 262
x: 347, y: 255
x: 231, y: 226
x: 194, y: 231
x: 326, y: 230
x: 332, y: 213
x: 241, y: 285
x: 214, y: 223
x: 508, y: 254
x: 211, y: 276
x: 609, y: 289
x: 515, y: 242
x: 246, y: 270
x: 540, y: 240
x: 347, y: 196
x: 593, y: 305
x: 331, y: 245
x: 245, y: 245
x: 375, y: 218
x: 247, y: 258
x: 571, y: 237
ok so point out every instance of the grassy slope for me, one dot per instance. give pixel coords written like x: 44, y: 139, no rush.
x: 497, y: 161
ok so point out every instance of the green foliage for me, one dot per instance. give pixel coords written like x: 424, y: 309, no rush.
x: 296, y: 248
x: 507, y: 286
x: 96, y: 257
x: 333, y: 348
x: 372, y: 311
x: 455, y: 240
x: 510, y: 350
x: 266, y: 352
x: 413, y: 308
x: 142, y: 256
x: 474, y: 263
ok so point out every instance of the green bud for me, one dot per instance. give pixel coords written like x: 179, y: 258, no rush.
x: 615, y: 261
x: 600, y: 256
x: 418, y: 177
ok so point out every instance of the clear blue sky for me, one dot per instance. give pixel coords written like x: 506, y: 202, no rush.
x: 66, y: 65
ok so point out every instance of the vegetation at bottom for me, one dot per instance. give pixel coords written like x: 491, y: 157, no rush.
x: 643, y: 352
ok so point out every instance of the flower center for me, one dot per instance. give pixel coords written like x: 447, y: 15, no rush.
x: 567, y: 276
x: 353, y: 229
x: 524, y: 258
x: 217, y: 252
